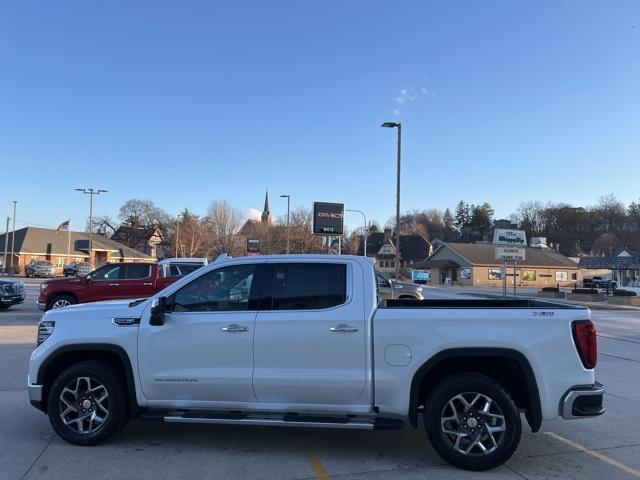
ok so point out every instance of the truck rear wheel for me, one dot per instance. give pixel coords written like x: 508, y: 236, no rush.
x: 472, y: 422
x: 86, y: 404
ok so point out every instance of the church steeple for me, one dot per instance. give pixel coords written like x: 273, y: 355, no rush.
x: 266, y: 214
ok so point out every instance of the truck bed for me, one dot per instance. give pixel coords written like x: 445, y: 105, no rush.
x: 479, y: 303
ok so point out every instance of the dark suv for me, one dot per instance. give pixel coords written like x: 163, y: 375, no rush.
x: 76, y: 269
x: 11, y: 293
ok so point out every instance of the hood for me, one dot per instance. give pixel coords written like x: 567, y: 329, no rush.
x: 66, y: 280
x: 397, y: 284
x: 107, y: 310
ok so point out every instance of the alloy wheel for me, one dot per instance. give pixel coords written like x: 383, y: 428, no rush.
x: 61, y: 303
x: 473, y: 423
x: 84, y: 405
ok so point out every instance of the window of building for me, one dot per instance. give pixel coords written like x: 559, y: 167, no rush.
x: 60, y: 261
x: 224, y: 289
x: 574, y: 276
x: 494, y: 274
x: 562, y: 276
x: 306, y: 286
x: 529, y: 275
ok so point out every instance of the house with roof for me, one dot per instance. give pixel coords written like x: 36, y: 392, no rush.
x: 62, y: 247
x: 475, y: 264
x: 147, y: 240
x: 414, y: 248
x: 624, y: 267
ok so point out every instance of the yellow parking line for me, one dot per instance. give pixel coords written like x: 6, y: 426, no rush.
x: 317, y: 467
x: 598, y: 455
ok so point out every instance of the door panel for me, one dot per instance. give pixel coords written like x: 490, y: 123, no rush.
x: 190, y: 357
x: 204, y: 350
x: 298, y: 357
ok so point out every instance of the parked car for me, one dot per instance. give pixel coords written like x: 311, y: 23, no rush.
x: 112, y: 281
x: 309, y: 345
x: 76, y: 269
x: 390, y: 289
x: 178, y: 267
x: 11, y: 293
x: 600, y: 282
x: 40, y: 268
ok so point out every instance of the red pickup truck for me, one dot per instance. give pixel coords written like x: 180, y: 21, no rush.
x: 110, y: 282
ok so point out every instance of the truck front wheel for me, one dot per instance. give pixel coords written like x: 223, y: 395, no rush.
x: 61, y: 301
x: 472, y: 421
x: 86, y: 404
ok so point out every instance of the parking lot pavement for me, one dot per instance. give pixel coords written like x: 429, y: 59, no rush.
x: 145, y: 450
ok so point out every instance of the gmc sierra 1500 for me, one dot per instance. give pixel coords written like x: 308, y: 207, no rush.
x: 299, y: 340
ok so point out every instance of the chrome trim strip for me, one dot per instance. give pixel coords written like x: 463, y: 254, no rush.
x: 358, y: 425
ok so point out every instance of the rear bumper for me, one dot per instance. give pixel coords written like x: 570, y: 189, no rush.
x: 35, y: 396
x: 584, y: 401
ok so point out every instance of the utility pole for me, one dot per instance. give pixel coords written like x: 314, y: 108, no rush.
x: 13, y: 233
x: 397, y: 125
x: 91, y: 192
x: 6, y: 245
x: 288, y: 197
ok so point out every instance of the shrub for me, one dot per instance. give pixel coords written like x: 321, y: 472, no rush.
x: 550, y: 289
x: 588, y: 291
x: 624, y: 293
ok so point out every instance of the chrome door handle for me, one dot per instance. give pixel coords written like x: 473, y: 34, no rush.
x: 234, y: 328
x: 343, y: 328
x: 147, y: 284
x: 114, y: 284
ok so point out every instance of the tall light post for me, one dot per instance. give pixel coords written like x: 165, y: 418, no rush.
x: 365, y: 227
x: 13, y: 232
x: 91, y: 192
x: 288, y: 197
x: 6, y: 245
x: 397, y: 125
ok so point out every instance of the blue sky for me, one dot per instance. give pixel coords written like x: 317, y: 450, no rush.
x: 187, y: 102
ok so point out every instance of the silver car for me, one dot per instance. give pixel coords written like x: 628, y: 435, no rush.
x: 391, y: 289
x: 40, y: 268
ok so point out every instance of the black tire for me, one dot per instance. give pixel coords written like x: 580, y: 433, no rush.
x: 437, y: 406
x: 114, y: 420
x: 4, y: 307
x: 56, y: 298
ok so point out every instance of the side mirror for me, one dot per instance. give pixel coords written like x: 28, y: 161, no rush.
x: 158, y: 308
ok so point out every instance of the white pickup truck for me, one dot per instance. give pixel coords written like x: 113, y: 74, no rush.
x: 301, y: 340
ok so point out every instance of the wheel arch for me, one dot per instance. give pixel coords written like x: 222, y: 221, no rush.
x: 50, y: 298
x: 513, y: 371
x: 65, y: 356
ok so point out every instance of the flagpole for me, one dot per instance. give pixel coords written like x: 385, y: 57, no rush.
x: 69, y: 244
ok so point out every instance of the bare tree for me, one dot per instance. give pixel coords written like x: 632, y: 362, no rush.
x: 224, y: 222
x: 193, y: 237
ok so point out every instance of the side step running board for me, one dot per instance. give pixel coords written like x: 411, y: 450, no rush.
x: 289, y: 420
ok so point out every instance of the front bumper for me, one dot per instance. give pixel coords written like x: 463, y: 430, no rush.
x: 35, y: 396
x: 584, y: 401
x: 12, y: 299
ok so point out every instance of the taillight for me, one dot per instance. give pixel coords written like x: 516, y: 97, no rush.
x: 584, y: 336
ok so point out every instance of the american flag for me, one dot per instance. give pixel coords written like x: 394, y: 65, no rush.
x: 64, y: 226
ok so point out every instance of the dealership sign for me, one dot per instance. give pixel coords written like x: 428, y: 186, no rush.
x: 510, y: 253
x: 503, y: 236
x: 328, y: 218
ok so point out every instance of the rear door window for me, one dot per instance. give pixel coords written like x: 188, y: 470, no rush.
x: 112, y: 272
x: 308, y: 286
x: 137, y: 272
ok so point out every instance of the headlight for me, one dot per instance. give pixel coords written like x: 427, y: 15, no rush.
x: 45, y: 329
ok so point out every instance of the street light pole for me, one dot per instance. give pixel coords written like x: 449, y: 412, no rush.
x: 13, y: 232
x: 91, y: 192
x: 397, y: 125
x: 6, y: 245
x: 288, y: 197
x: 365, y: 227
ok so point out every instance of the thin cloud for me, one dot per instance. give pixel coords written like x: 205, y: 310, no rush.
x: 408, y: 95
